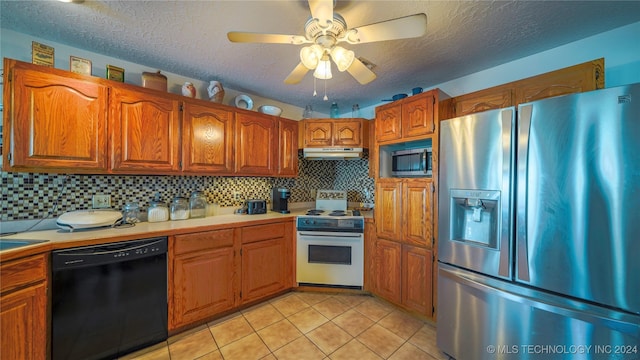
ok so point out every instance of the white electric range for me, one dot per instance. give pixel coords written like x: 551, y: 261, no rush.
x: 330, y: 243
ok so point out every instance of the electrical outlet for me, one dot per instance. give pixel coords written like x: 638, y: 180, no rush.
x: 101, y: 201
x: 237, y: 195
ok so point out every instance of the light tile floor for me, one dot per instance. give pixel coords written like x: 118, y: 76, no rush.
x: 305, y: 325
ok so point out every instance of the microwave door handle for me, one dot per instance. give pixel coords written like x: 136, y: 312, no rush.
x: 425, y: 160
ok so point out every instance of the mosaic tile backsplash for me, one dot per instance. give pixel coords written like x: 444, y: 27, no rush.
x: 30, y: 196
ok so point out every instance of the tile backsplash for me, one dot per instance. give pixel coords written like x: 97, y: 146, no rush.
x: 30, y: 196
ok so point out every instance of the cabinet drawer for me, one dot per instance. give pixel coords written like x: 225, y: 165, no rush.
x: 22, y: 272
x: 262, y: 232
x: 204, y: 240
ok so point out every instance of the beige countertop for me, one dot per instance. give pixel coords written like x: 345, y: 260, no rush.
x: 60, y: 239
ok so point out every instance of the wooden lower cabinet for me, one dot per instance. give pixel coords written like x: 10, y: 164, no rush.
x: 23, y: 308
x: 216, y: 271
x: 417, y: 269
x: 203, y: 281
x: 267, y: 256
x: 388, y: 273
x: 403, y: 275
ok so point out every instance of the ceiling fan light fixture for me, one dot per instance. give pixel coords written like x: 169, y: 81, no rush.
x: 342, y: 57
x: 310, y: 56
x: 323, y: 71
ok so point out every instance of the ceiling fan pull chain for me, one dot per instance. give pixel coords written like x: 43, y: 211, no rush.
x: 325, y: 98
x: 315, y: 93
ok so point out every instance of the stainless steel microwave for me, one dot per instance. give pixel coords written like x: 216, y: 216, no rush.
x: 411, y: 162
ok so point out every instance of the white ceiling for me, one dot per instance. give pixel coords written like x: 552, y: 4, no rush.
x: 189, y: 38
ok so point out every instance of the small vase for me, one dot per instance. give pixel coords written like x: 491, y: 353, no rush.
x: 189, y: 90
x: 216, y: 91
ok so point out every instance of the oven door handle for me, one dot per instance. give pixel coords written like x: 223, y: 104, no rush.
x: 333, y: 236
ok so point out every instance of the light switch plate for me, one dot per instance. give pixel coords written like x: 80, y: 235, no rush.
x: 101, y: 201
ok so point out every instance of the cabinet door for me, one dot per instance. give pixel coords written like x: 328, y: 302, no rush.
x: 288, y: 149
x: 493, y: 98
x: 370, y: 256
x: 417, y: 212
x: 317, y: 133
x: 55, y: 122
x: 256, y: 144
x: 347, y: 133
x: 388, y: 123
x: 417, y: 116
x: 388, y: 271
x: 144, y: 132
x: 23, y: 324
x: 203, y: 280
x: 388, y: 208
x: 207, y: 139
x: 417, y: 287
x: 578, y: 78
x: 263, y: 268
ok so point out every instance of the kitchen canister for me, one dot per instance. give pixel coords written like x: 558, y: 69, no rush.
x: 130, y: 212
x: 157, y: 211
x: 198, y: 205
x: 189, y: 90
x: 179, y: 208
x: 154, y: 80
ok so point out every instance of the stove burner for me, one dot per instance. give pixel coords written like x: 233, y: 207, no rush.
x: 338, y: 213
x: 314, y: 212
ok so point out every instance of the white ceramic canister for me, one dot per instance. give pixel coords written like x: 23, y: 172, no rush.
x: 189, y: 90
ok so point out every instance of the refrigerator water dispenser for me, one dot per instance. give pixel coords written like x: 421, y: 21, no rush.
x: 475, y: 216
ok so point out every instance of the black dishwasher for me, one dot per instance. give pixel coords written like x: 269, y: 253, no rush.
x: 108, y: 300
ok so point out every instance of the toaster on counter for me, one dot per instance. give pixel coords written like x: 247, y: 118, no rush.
x: 256, y: 207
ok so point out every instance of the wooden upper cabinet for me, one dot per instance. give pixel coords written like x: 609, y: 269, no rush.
x: 256, y: 144
x: 317, y: 133
x: 410, y: 118
x: 144, y: 132
x: 574, y: 79
x: 417, y: 212
x: 404, y: 210
x: 288, y: 147
x: 494, y: 98
x: 52, y: 121
x: 587, y: 76
x: 347, y: 133
x: 336, y: 133
x: 207, y: 139
x: 389, y: 123
x: 417, y: 116
x: 388, y: 208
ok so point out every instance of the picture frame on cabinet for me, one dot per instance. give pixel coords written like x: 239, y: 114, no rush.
x: 115, y: 73
x: 79, y: 65
x: 42, y: 54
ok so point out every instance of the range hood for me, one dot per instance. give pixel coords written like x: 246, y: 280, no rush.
x: 332, y: 153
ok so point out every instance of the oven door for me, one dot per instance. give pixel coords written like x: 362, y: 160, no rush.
x: 329, y: 258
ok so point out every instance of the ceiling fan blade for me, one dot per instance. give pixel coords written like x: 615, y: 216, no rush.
x: 361, y: 72
x: 247, y: 37
x: 297, y: 74
x: 400, y: 28
x: 322, y: 10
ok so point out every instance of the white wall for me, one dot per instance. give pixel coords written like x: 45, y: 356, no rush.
x: 620, y: 49
x: 17, y: 46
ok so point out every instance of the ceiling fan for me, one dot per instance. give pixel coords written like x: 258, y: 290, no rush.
x: 325, y: 30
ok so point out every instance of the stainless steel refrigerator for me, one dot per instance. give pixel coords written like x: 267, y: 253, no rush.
x: 539, y: 230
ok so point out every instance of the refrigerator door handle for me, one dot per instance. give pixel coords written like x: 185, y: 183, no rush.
x: 504, y: 268
x: 522, y: 257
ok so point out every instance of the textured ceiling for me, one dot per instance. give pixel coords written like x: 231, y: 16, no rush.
x: 189, y: 38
